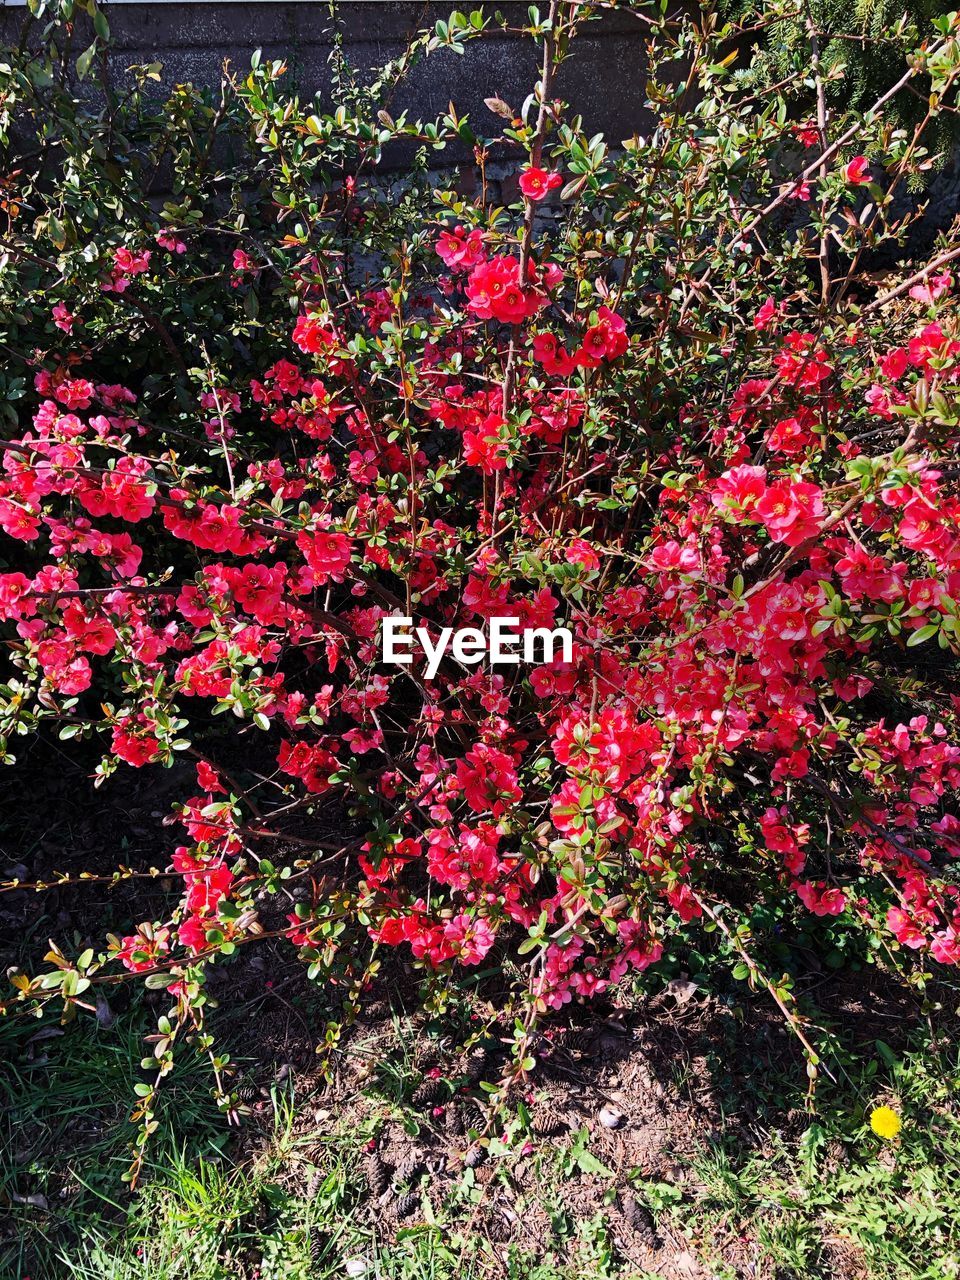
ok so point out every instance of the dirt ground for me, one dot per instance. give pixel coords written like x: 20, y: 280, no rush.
x: 620, y: 1091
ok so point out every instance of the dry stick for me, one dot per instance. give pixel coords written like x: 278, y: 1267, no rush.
x: 818, y: 164
x: 68, y: 881
x: 918, y: 276
x: 824, y: 253
x: 841, y: 142
x: 898, y: 177
x: 536, y: 150
x: 755, y: 972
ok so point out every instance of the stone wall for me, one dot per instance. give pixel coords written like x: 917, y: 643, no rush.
x: 604, y: 80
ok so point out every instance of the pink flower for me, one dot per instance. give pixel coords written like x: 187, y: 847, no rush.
x: 472, y: 938
x: 791, y: 511
x: 459, y: 250
x: 816, y: 897
x: 881, y: 400
x: 63, y: 318
x: 857, y: 171
x: 243, y: 265
x: 126, y: 265
x: 903, y: 928
x: 739, y: 489
x: 536, y: 183
x: 171, y: 242
x: 580, y: 552
x: 767, y: 315
x: 929, y: 290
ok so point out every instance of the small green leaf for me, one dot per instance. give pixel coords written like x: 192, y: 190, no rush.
x: 85, y: 61
x: 924, y: 633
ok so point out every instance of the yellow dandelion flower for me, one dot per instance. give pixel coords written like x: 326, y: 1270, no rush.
x: 885, y: 1122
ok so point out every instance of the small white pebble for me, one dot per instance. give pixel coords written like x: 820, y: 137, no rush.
x: 610, y: 1117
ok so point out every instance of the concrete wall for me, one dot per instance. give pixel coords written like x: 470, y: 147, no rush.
x: 604, y: 80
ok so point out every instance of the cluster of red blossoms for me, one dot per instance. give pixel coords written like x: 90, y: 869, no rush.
x: 731, y: 670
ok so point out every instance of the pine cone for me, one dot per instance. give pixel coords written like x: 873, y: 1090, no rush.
x: 552, y: 1067
x: 544, y: 1123
x: 428, y: 1093
x: 406, y: 1204
x: 639, y: 1219
x: 574, y: 1039
x: 453, y: 1118
x: 246, y: 1089
x: 609, y: 1048
x: 410, y: 1167
x: 499, y: 1228
x: 476, y: 1066
x: 474, y: 1156
x: 378, y: 1174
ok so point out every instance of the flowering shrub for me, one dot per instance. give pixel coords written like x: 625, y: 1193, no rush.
x: 672, y: 419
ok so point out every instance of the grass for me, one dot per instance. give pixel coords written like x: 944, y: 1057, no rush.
x: 839, y: 1196
x: 287, y: 1197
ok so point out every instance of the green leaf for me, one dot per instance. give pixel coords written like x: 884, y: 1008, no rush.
x: 886, y: 1053
x: 85, y: 61
x: 924, y: 633
x: 589, y: 1163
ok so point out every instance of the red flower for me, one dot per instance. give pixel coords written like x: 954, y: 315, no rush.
x: 894, y: 363
x: 801, y: 363
x: 488, y: 779
x: 548, y: 351
x: 494, y: 292
x: 791, y: 511
x: 536, y: 183
x: 327, y: 554
x: 313, y: 765
x: 136, y: 746
x: 857, y: 171
x: 313, y: 334
x: 606, y: 340
x: 192, y: 934
x: 767, y: 315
